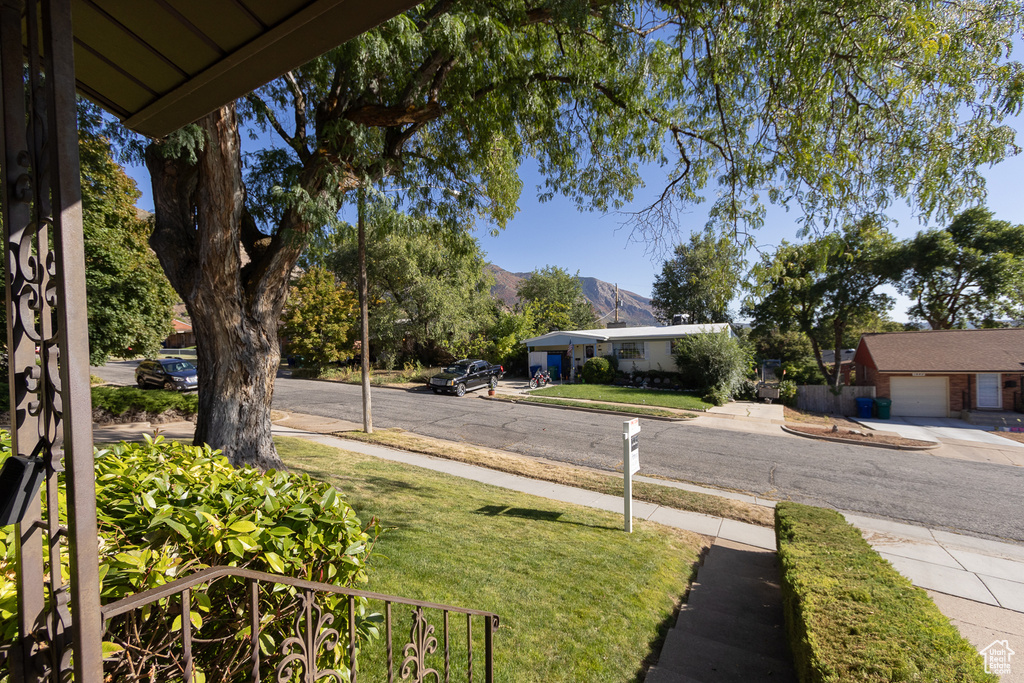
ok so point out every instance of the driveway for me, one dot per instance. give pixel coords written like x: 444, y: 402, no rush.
x: 939, y: 429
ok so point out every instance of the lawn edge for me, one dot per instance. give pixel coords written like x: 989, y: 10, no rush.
x: 854, y: 442
x: 602, y: 411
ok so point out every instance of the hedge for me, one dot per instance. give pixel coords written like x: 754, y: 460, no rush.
x: 167, y: 509
x: 851, y: 617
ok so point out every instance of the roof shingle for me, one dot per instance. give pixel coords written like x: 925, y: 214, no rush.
x: 996, y: 350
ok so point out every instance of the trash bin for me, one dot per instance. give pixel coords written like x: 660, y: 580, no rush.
x: 864, y: 407
x: 884, y: 406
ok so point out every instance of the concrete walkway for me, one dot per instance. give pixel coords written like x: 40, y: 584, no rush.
x: 940, y: 429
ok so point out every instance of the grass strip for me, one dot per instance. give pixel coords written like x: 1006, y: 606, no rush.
x: 119, y: 400
x: 569, y: 476
x: 851, y: 617
x: 619, y: 408
x: 579, y: 599
x: 631, y: 395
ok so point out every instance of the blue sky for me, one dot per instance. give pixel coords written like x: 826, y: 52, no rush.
x: 599, y: 245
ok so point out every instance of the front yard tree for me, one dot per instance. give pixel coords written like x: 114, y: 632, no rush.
x: 829, y: 106
x: 700, y: 279
x: 969, y: 273
x: 556, y: 299
x: 428, y: 291
x: 320, y: 319
x: 825, y: 287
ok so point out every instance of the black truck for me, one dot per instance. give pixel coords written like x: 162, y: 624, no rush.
x: 466, y: 375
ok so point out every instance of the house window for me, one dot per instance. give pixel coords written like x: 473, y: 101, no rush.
x: 629, y: 350
x: 989, y: 391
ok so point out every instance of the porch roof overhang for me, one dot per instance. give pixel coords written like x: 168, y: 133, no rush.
x: 158, y: 65
x: 620, y: 334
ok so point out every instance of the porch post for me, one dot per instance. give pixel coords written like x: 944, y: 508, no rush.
x: 46, y: 308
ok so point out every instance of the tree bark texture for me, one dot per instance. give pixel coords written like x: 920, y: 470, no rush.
x: 233, y: 281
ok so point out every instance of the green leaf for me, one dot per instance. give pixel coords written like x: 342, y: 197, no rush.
x: 243, y: 526
x: 275, y: 561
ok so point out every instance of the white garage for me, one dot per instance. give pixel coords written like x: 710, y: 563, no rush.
x: 919, y: 396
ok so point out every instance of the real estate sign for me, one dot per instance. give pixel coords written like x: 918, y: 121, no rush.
x: 630, y: 466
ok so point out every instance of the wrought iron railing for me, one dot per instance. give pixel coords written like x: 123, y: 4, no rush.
x: 311, y: 648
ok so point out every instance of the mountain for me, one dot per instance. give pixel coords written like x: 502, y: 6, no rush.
x: 634, y: 309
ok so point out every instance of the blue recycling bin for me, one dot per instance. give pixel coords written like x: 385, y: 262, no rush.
x: 864, y: 406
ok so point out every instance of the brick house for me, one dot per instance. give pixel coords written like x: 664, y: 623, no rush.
x: 941, y: 373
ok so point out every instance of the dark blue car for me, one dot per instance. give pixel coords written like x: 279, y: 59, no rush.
x: 173, y: 374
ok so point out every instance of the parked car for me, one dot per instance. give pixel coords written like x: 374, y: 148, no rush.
x: 173, y: 374
x: 466, y: 375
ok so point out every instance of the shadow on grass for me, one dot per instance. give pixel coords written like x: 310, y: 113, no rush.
x: 536, y: 515
x: 656, y: 644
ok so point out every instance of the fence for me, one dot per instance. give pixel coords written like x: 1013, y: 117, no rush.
x: 820, y: 399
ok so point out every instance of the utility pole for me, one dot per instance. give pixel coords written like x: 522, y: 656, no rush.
x: 616, y: 302
x: 364, y: 315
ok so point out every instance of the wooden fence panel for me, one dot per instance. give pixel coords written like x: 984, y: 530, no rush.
x: 820, y: 399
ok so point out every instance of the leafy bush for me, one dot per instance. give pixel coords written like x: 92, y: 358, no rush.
x: 710, y: 361
x: 803, y: 371
x: 787, y: 392
x: 851, y: 616
x: 613, y: 360
x: 598, y: 371
x: 746, y: 390
x: 717, y: 396
x: 166, y: 510
x: 119, y: 400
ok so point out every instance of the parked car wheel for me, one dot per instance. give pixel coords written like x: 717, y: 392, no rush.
x: 494, y: 382
x: 460, y: 390
x: 435, y: 390
x: 141, y: 382
x: 169, y: 386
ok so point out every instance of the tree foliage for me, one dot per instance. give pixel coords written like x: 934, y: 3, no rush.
x: 825, y: 287
x: 429, y: 291
x: 321, y: 318
x: 700, y: 280
x: 969, y: 273
x: 833, y: 107
x: 555, y: 299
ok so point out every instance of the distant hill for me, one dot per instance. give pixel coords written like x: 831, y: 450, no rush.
x: 633, y: 308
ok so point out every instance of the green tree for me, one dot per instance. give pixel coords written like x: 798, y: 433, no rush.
x: 129, y: 297
x: 429, y: 292
x: 700, y: 279
x: 824, y: 288
x: 713, y: 362
x: 320, y: 320
x: 836, y: 107
x: 969, y: 273
x: 556, y: 300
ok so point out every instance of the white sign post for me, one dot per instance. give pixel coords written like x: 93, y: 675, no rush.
x: 630, y: 466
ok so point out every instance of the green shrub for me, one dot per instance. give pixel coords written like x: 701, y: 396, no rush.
x: 613, y: 360
x: 708, y: 361
x: 803, y: 371
x: 717, y: 396
x: 598, y: 371
x: 787, y: 392
x: 119, y: 400
x: 166, y: 510
x: 851, y: 617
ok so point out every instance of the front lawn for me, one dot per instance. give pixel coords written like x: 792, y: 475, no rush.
x: 578, y: 598
x: 613, y: 394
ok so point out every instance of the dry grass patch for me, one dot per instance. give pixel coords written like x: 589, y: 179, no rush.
x: 567, y: 475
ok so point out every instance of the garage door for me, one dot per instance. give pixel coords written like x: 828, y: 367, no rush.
x: 919, y: 396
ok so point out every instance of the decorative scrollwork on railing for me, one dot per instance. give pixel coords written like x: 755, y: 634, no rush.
x: 313, y: 634
x: 421, y: 643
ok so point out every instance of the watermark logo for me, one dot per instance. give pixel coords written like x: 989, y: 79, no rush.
x: 997, y: 657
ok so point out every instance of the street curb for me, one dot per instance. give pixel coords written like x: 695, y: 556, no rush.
x: 892, y: 447
x: 590, y: 410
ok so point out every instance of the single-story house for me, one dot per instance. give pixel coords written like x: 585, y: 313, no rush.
x: 183, y: 336
x: 941, y: 373
x: 637, y: 348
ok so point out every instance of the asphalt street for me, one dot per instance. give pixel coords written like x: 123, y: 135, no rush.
x: 980, y: 499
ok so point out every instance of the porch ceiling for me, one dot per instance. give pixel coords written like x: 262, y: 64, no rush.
x: 161, y: 64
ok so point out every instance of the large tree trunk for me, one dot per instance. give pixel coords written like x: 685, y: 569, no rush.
x: 203, y: 238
